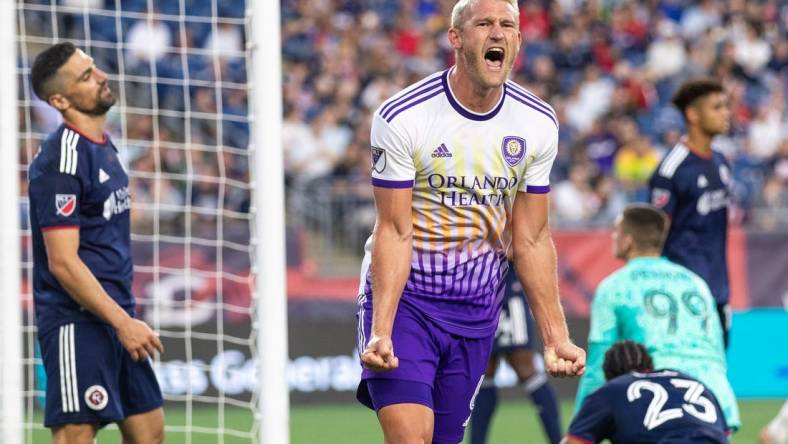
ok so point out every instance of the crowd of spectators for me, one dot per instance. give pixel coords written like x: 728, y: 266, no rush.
x: 608, y: 67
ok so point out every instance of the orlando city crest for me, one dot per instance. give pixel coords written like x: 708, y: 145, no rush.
x: 513, y: 149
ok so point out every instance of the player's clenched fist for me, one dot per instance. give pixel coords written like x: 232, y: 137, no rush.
x: 565, y: 359
x: 379, y: 354
x: 140, y: 341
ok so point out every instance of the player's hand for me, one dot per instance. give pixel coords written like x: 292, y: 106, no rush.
x: 139, y: 340
x: 565, y: 359
x: 765, y: 439
x: 379, y: 354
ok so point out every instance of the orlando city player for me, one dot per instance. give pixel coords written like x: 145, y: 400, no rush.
x: 460, y: 175
x: 96, y: 355
x: 662, y: 305
x: 691, y: 186
x: 514, y: 341
x: 641, y: 405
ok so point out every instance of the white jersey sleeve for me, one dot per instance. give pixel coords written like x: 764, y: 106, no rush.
x: 392, y: 156
x: 537, y: 175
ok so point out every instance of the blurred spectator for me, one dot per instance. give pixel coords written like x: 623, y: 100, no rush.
x: 634, y: 164
x: 573, y: 199
x: 608, y: 69
x: 225, y: 38
x: 148, y: 40
x: 666, y: 55
x: 751, y: 52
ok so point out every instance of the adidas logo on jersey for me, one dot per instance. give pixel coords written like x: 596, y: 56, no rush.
x: 702, y: 182
x: 441, y: 151
x: 103, y: 176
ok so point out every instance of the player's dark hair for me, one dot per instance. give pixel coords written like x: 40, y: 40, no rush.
x: 647, y: 224
x: 46, y: 66
x: 694, y: 89
x: 624, y: 357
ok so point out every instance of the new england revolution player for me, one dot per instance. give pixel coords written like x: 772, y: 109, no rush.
x: 662, y: 305
x: 514, y: 341
x: 461, y: 163
x: 691, y: 185
x: 640, y: 405
x: 96, y: 355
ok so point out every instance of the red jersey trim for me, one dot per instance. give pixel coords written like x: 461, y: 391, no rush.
x: 76, y: 130
x: 60, y: 227
x: 701, y: 154
x: 577, y: 438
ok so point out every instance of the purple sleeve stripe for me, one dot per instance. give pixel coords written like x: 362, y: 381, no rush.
x: 392, y: 183
x: 537, y: 189
x: 413, y: 103
x: 421, y: 89
x: 536, y: 98
x: 535, y: 102
x: 521, y: 100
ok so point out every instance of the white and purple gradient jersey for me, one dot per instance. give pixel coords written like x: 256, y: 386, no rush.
x: 465, y: 169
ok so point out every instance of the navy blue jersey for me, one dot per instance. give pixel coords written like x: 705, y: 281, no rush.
x: 693, y: 191
x: 79, y: 183
x: 660, y: 407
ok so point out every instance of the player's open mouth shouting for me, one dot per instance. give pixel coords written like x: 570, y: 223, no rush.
x: 494, y: 57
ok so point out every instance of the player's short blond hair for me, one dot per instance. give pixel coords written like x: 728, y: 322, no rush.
x: 460, y: 11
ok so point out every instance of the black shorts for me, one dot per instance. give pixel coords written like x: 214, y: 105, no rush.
x: 515, y: 326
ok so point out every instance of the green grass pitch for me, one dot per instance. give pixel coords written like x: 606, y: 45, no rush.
x: 515, y: 422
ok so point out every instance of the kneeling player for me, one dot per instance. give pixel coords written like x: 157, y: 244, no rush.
x: 514, y: 342
x: 642, y: 405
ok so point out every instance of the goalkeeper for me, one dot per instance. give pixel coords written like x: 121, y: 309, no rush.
x: 96, y: 355
x: 662, y: 305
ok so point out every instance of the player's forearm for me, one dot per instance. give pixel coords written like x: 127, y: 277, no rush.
x: 535, y: 261
x: 391, y: 256
x: 83, y: 287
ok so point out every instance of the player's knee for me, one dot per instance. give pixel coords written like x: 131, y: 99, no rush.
x: 74, y: 434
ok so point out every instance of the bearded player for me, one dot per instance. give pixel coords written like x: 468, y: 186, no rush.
x: 96, y: 355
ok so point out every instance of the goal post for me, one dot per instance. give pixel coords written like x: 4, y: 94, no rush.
x: 266, y: 104
x: 10, y: 290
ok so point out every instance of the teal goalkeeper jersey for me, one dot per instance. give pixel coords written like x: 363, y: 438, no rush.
x: 669, y: 310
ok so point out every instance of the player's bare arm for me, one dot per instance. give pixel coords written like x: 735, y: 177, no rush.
x: 62, y: 247
x: 535, y: 263
x: 391, y: 254
x: 572, y: 440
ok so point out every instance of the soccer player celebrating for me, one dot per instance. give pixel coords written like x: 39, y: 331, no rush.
x: 640, y: 405
x: 514, y: 341
x: 691, y: 186
x: 461, y: 164
x: 96, y: 355
x: 662, y: 305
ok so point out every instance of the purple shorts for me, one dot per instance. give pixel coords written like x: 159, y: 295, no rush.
x: 436, y: 369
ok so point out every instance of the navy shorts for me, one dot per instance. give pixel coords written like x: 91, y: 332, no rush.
x: 91, y: 378
x: 515, y: 325
x: 439, y: 370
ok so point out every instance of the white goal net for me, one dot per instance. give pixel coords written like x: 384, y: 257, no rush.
x: 179, y: 70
